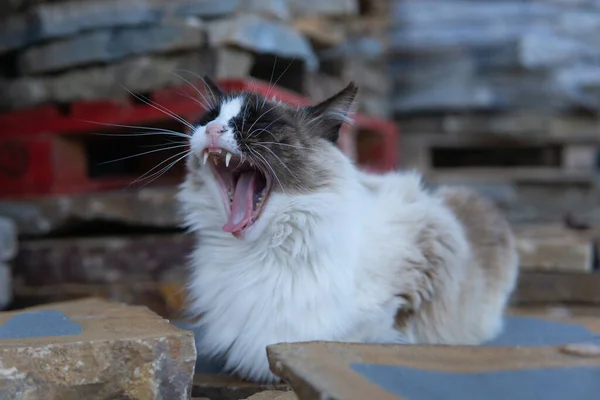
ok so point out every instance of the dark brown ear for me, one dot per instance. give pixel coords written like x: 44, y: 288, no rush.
x: 328, y: 115
x: 212, y: 86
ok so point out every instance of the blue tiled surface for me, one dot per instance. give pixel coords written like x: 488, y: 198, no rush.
x: 581, y: 383
x: 39, y: 324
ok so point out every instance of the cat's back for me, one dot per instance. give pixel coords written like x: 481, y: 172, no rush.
x: 489, y: 234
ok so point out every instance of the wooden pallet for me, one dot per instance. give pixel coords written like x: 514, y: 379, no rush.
x: 556, y: 248
x: 444, y: 158
x: 49, y: 150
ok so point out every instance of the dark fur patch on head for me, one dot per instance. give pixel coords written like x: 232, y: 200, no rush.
x: 287, y: 141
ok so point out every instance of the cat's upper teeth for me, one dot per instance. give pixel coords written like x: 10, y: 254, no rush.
x: 227, y: 158
x: 205, y: 157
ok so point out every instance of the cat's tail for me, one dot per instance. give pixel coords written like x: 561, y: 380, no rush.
x: 491, y: 240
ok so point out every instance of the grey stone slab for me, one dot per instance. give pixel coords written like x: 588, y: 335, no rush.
x: 111, y: 45
x: 140, y: 74
x: 154, y: 207
x: 204, y: 8
x: 8, y: 239
x: 5, y: 285
x: 271, y: 8
x: 261, y: 35
x: 302, y: 8
x: 39, y: 324
x: 581, y: 383
x: 53, y: 20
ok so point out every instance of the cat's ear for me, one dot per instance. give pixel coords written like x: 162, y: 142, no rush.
x: 327, y: 117
x: 213, y: 88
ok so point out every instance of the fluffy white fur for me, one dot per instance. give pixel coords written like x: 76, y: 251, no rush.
x: 338, y: 265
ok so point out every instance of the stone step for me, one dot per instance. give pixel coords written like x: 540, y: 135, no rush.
x: 93, y: 349
x: 554, y: 356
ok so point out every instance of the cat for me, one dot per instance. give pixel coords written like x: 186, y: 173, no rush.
x: 295, y: 243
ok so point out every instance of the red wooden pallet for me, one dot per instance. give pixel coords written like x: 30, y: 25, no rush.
x: 42, y: 150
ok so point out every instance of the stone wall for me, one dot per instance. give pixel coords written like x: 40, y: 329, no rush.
x: 64, y: 51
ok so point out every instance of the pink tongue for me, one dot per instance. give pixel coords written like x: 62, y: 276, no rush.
x: 241, y: 209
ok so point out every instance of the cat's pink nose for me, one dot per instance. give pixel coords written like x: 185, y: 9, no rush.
x: 215, y: 129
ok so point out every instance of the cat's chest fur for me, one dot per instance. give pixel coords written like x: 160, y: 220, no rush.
x: 298, y: 286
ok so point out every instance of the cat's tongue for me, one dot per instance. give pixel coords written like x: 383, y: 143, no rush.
x: 241, y: 209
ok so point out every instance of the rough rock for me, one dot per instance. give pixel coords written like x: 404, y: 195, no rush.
x: 155, y: 207
x: 303, y: 8
x: 8, y: 239
x: 461, y: 55
x: 5, y: 285
x: 269, y: 8
x: 233, y: 63
x: 111, y: 45
x: 59, y: 19
x: 104, y: 260
x: 141, y: 74
x: 320, y: 30
x: 203, y: 8
x: 93, y: 349
x: 261, y: 35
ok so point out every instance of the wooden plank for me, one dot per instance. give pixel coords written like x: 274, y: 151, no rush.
x: 574, y: 163
x: 556, y: 287
x: 554, y: 248
x: 225, y: 387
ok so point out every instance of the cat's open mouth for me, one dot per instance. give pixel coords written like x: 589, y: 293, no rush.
x: 245, y: 189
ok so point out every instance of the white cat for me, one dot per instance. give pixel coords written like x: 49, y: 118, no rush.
x: 296, y: 244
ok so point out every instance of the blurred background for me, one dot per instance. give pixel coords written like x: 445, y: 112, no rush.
x: 502, y: 96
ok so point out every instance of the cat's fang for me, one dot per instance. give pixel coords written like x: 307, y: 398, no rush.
x: 205, y: 157
x: 227, y: 159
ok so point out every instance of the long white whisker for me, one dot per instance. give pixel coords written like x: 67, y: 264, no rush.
x: 281, y: 144
x: 205, y: 85
x: 262, y: 115
x: 277, y: 157
x: 280, y: 76
x: 196, y: 89
x: 265, y: 128
x: 270, y: 81
x: 144, y: 153
x: 160, y: 108
x: 140, y: 134
x: 142, y: 177
x: 150, y: 128
x: 165, y: 169
x: 266, y: 163
x: 162, y: 144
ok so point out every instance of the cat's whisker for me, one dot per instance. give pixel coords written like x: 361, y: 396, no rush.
x: 267, y: 165
x: 278, y: 159
x: 262, y: 115
x: 165, y: 169
x: 142, y: 154
x: 283, y: 144
x: 208, y: 103
x: 280, y: 76
x: 149, y: 128
x: 270, y: 81
x: 135, y: 134
x: 144, y: 176
x: 161, y: 144
x: 160, y: 108
x: 203, y: 81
